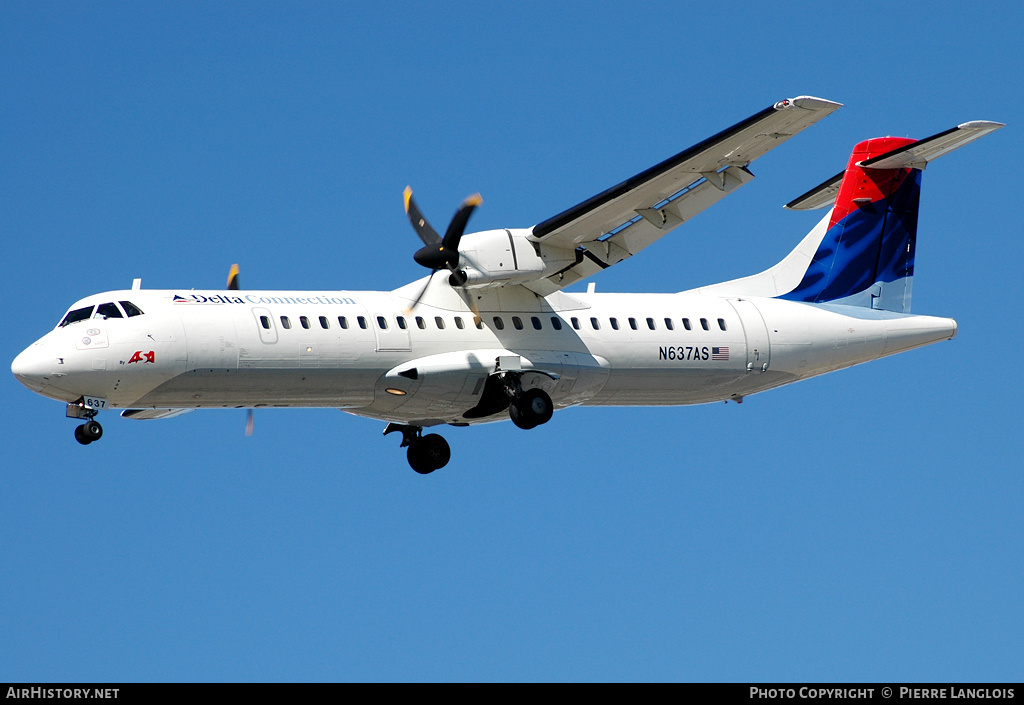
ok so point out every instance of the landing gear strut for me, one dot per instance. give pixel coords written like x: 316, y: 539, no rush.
x: 89, y: 431
x: 426, y: 453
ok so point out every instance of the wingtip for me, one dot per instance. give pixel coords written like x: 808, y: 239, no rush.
x: 986, y: 125
x: 808, y: 102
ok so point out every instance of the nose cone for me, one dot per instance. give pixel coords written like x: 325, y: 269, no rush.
x: 33, y: 367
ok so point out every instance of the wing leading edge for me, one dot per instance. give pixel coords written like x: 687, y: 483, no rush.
x: 619, y: 222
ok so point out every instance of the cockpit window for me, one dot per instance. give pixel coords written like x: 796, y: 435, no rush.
x: 79, y: 314
x: 131, y: 309
x: 108, y: 311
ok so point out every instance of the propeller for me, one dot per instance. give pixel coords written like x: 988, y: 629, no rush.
x: 233, y: 278
x: 439, y: 252
x: 233, y: 286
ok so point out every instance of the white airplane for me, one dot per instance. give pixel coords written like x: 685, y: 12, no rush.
x: 498, y: 337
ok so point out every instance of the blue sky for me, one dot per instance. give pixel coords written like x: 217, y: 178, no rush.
x: 865, y: 525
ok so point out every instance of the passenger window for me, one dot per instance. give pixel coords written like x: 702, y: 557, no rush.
x: 459, y: 323
x: 478, y: 322
x: 362, y: 322
x: 650, y: 323
x: 382, y: 323
x: 517, y: 322
x: 704, y: 324
x: 285, y: 323
x: 686, y: 324
x: 536, y: 322
x: 401, y: 322
x: 498, y: 323
x: 439, y: 322
x: 108, y: 311
x: 595, y: 324
x: 615, y: 323
x: 324, y: 323
x: 668, y: 324
x: 420, y: 323
x: 131, y: 309
x: 304, y: 321
x: 265, y: 322
x: 575, y: 322
x: 342, y: 321
x: 632, y: 323
x: 721, y: 323
x: 556, y: 323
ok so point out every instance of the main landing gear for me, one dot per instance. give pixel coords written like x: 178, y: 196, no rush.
x: 89, y: 431
x: 531, y: 408
x: 426, y: 453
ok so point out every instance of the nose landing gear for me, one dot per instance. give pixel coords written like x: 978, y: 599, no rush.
x: 89, y: 431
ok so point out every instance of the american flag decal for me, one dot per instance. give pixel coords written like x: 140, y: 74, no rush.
x: 719, y: 353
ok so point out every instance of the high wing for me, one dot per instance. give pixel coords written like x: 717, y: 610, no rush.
x: 619, y: 222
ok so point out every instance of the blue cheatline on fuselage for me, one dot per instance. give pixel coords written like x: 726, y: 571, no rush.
x: 872, y: 244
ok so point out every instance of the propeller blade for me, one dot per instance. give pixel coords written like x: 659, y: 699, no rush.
x: 419, y: 223
x: 233, y: 278
x: 408, y: 311
x: 467, y: 296
x: 233, y: 286
x: 453, y: 235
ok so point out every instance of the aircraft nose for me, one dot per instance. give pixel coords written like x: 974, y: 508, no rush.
x: 32, y: 367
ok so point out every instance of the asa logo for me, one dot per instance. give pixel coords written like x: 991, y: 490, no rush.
x: 143, y: 357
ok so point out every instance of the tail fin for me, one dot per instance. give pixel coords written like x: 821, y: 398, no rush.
x: 862, y: 251
x: 866, y: 256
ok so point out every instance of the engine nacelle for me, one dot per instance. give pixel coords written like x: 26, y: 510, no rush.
x: 498, y: 257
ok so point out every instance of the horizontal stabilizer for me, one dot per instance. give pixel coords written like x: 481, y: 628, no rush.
x: 915, y: 155
x: 147, y: 414
x: 819, y: 196
x: 918, y: 154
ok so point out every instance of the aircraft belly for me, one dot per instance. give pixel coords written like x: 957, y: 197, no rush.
x: 265, y: 387
x: 636, y: 387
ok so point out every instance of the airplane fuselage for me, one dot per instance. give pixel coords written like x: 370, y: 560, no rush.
x: 364, y: 353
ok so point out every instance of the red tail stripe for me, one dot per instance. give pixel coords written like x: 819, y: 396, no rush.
x: 872, y: 184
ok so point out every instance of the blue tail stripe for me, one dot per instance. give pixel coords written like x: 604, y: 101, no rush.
x: 864, y: 248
